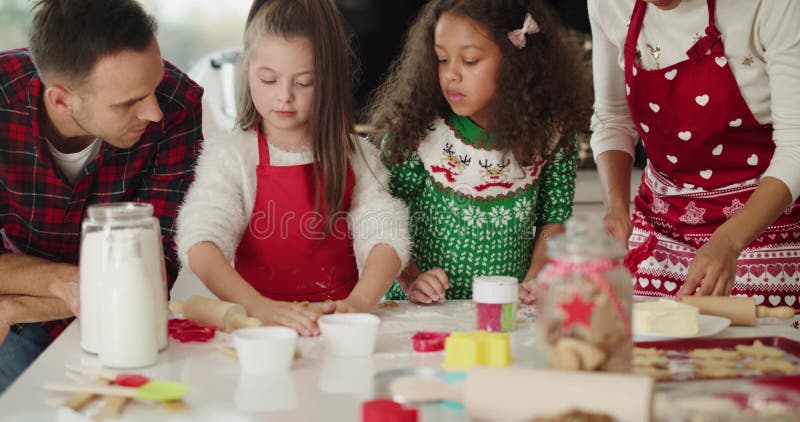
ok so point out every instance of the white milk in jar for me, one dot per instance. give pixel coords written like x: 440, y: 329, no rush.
x: 127, y: 305
x: 102, y: 223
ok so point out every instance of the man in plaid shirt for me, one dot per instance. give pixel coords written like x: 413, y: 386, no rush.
x: 91, y: 114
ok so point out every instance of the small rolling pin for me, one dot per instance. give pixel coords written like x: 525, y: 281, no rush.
x: 740, y: 310
x: 225, y: 315
x: 522, y: 394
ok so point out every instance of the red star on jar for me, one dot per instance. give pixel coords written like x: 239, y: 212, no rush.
x: 578, y: 311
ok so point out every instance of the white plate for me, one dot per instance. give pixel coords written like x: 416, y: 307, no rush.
x: 709, y: 326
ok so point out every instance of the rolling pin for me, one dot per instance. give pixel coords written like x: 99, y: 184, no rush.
x: 523, y: 394
x: 225, y: 315
x: 740, y: 310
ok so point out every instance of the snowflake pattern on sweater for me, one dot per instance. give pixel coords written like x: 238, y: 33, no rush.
x: 474, y: 209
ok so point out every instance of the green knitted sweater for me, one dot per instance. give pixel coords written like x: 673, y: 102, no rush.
x: 473, y: 209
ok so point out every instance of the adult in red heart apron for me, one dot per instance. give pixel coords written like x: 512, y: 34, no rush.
x: 706, y: 153
x: 285, y: 253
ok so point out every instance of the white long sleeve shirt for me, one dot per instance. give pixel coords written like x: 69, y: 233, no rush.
x: 220, y: 202
x: 762, y: 44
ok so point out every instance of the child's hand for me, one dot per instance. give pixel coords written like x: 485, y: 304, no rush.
x: 526, y: 294
x: 288, y: 314
x: 429, y: 287
x: 348, y: 305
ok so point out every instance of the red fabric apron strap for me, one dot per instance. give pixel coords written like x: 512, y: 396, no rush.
x: 712, y: 40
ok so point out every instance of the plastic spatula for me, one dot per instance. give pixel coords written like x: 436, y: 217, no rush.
x: 122, y: 380
x: 112, y: 408
x: 152, y: 391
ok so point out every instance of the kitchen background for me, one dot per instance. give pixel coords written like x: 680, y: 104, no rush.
x: 203, y: 38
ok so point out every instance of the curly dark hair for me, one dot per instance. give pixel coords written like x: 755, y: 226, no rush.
x: 542, y: 89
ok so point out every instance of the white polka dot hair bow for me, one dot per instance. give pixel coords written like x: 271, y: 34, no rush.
x: 517, y: 36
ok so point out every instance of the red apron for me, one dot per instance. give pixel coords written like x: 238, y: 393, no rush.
x: 706, y: 153
x: 285, y: 253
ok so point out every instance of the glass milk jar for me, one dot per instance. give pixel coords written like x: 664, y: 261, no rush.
x: 584, y: 298
x: 121, y: 252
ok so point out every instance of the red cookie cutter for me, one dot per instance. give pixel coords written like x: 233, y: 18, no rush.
x: 428, y: 341
x: 186, y: 330
x: 384, y: 410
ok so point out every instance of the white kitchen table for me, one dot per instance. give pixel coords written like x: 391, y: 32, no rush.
x: 319, y: 388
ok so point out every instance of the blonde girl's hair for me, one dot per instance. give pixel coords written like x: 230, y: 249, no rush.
x: 331, y: 124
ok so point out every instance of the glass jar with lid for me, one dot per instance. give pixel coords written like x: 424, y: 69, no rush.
x: 117, y: 237
x: 584, y: 298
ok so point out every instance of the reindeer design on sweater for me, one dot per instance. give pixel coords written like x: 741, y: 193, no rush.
x: 452, y: 164
x: 494, y: 175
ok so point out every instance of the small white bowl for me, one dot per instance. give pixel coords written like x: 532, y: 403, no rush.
x: 349, y: 335
x: 265, y: 349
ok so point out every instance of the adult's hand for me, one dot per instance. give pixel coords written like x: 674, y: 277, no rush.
x: 618, y: 223
x: 713, y: 269
x: 69, y: 293
x: 5, y: 321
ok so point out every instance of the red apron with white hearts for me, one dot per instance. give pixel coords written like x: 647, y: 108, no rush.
x: 706, y: 153
x: 285, y: 253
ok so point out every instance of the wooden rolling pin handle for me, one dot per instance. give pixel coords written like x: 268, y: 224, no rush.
x: 781, y: 312
x: 176, y: 307
x: 112, y: 408
x: 78, y: 401
x: 243, y: 321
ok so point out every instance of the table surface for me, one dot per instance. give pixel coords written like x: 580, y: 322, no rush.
x: 318, y: 388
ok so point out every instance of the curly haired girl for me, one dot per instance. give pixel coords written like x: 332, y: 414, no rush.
x: 480, y: 105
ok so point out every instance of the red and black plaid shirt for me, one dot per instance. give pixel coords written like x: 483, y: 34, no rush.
x: 41, y: 212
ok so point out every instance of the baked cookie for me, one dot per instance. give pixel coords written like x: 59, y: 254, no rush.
x: 647, y: 351
x: 715, y: 354
x: 759, y: 351
x: 566, y: 359
x: 772, y: 366
x: 716, y: 372
x: 655, y: 373
x: 651, y: 361
x: 708, y: 363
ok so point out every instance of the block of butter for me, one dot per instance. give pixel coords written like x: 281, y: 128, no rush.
x: 665, y: 316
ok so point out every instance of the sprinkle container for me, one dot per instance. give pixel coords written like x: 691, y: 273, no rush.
x: 495, y: 302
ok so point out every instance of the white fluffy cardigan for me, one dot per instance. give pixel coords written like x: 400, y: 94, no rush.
x: 218, y: 206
